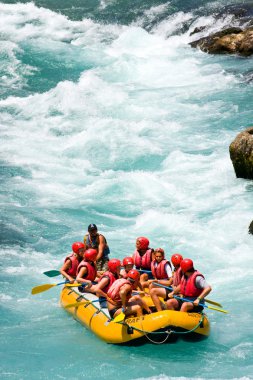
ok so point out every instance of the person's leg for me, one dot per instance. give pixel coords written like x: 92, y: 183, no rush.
x: 187, y: 306
x: 172, y: 304
x: 133, y: 308
x: 155, y: 293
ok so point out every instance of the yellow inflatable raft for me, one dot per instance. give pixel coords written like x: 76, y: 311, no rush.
x: 156, y: 327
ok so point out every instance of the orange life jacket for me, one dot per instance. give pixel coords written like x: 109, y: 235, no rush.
x: 159, y: 271
x: 112, y: 278
x: 177, y: 275
x: 114, y: 290
x: 74, y: 264
x: 91, y: 270
x: 144, y: 261
x: 188, y: 287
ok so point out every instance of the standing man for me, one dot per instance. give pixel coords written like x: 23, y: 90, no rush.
x: 95, y: 240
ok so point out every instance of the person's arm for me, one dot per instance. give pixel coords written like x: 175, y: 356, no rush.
x: 101, y: 247
x: 202, y: 284
x: 83, y: 271
x: 175, y: 291
x: 98, y: 289
x: 66, y: 266
x: 139, y: 286
x: 123, y: 294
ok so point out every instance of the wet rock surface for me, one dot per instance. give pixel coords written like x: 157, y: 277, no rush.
x: 232, y: 40
x: 241, y: 154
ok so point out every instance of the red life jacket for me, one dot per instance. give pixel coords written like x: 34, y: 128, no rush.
x: 188, y: 287
x: 144, y: 261
x: 74, y: 264
x: 159, y: 271
x: 114, y: 290
x: 91, y: 270
x: 112, y: 278
x: 177, y: 275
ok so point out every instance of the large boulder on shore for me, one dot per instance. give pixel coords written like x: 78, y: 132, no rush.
x: 241, y: 154
x: 232, y: 40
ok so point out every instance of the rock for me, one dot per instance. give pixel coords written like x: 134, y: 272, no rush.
x: 232, y: 40
x: 198, y: 30
x: 241, y: 154
x: 251, y: 228
x: 239, y: 11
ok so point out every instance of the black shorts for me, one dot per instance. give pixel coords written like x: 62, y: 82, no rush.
x: 196, y: 309
x: 113, y: 311
x: 167, y: 294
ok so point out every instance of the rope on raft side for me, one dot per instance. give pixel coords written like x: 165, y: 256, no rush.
x: 169, y: 332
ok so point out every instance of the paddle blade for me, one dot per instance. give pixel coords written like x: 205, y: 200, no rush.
x: 52, y: 273
x: 119, y: 318
x: 213, y: 302
x: 42, y: 288
x: 215, y: 308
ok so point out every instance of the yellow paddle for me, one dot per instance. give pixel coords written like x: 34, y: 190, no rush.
x: 119, y: 318
x: 43, y: 288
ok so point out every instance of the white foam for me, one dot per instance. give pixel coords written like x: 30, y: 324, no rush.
x: 140, y: 139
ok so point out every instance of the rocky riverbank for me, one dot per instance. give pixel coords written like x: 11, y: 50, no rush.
x: 231, y: 41
x: 241, y: 154
x: 235, y: 38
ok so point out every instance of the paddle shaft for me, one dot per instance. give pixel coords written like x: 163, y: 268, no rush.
x: 170, y: 288
x: 187, y: 300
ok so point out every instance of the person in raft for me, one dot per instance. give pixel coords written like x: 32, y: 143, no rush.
x: 143, y: 257
x: 120, y: 296
x: 71, y: 262
x: 193, y: 286
x: 162, y: 271
x: 106, y: 280
x: 97, y: 241
x: 128, y: 264
x: 87, y: 269
x: 176, y: 259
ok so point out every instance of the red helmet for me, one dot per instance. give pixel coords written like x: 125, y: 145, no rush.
x: 128, y: 261
x: 134, y: 275
x: 144, y: 242
x: 90, y: 254
x: 113, y: 264
x: 76, y: 246
x: 186, y: 265
x: 176, y: 259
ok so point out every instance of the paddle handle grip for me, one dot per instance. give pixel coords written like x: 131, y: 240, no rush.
x: 64, y: 282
